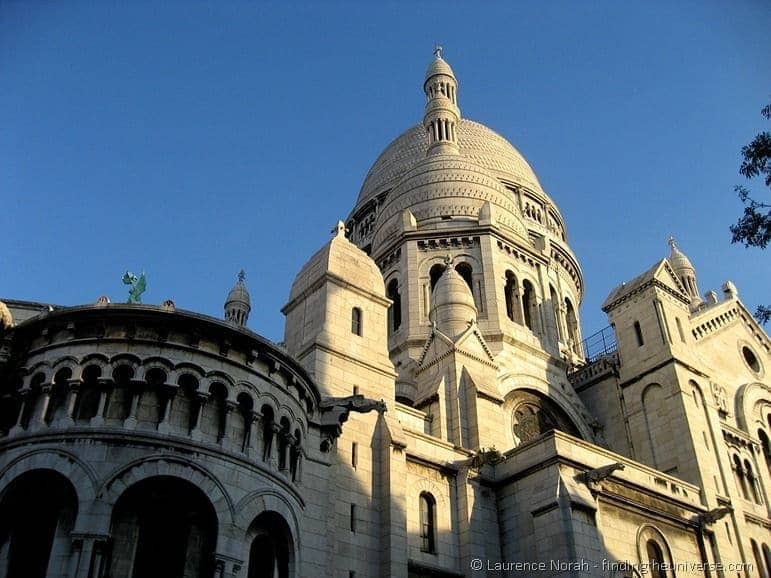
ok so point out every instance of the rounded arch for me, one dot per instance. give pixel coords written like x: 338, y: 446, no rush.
x: 570, y: 405
x: 534, y: 414
x: 67, y: 361
x: 78, y: 472
x: 164, y: 525
x: 213, y: 376
x: 126, y: 358
x: 649, y: 535
x: 170, y: 466
x: 260, y: 502
x: 751, y: 398
x: 38, y: 513
x: 95, y: 359
x: 271, y: 547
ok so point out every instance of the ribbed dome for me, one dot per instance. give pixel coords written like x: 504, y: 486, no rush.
x: 452, y: 304
x: 446, y: 185
x: 483, y: 146
x: 678, y: 260
x: 439, y: 66
x: 239, y: 294
x: 452, y: 289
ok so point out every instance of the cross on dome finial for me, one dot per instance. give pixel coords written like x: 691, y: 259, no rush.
x: 671, y: 241
x: 437, y: 50
x: 241, y: 276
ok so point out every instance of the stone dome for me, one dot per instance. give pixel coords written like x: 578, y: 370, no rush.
x: 439, y: 66
x: 239, y: 294
x: 478, y: 143
x: 453, y: 305
x: 445, y: 185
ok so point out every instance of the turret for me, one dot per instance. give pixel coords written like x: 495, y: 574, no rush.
x: 442, y: 113
x: 238, y: 303
x: 685, y: 271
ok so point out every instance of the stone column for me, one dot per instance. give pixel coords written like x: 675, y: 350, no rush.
x: 39, y: 419
x: 195, y: 432
x: 19, y: 425
x: 289, y: 441
x: 98, y: 418
x: 224, y: 438
x: 136, y: 395
x: 73, y: 387
x: 91, y: 559
x: 226, y: 566
x: 250, y: 420
x: 273, y: 457
x: 164, y: 426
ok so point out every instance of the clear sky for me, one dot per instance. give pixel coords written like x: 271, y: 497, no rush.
x: 191, y: 139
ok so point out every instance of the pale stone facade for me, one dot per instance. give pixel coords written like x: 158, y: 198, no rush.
x: 143, y: 441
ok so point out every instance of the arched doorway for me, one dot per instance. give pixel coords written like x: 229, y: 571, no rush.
x: 271, y: 550
x: 163, y: 527
x: 37, y: 515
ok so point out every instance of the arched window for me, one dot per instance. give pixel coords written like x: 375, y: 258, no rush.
x: 427, y: 523
x: 271, y: 554
x: 294, y: 455
x: 572, y: 323
x: 758, y: 559
x: 434, y: 273
x: 766, y: 445
x: 267, y: 431
x: 88, y: 398
x: 530, y: 306
x: 283, y: 444
x: 752, y: 482
x: 741, y: 482
x: 467, y: 272
x: 356, y: 321
x: 511, y: 292
x: 396, y: 305
x: 655, y: 559
x: 555, y: 310
x: 57, y: 406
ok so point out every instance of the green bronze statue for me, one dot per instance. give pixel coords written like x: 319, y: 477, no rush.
x: 138, y: 286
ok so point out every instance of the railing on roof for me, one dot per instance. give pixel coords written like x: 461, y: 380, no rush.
x: 598, y: 344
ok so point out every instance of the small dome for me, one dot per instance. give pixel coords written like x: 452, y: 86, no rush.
x: 677, y: 258
x: 438, y: 66
x: 452, y: 303
x: 239, y: 293
x: 452, y: 289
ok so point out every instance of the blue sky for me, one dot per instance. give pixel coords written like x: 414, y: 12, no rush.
x: 192, y: 139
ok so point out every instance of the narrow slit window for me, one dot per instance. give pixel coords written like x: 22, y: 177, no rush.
x: 638, y: 333
x: 356, y: 321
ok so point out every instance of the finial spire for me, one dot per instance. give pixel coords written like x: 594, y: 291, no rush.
x: 442, y: 114
x: 241, y: 276
x: 671, y: 242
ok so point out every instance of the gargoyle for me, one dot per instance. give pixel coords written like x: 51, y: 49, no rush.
x: 598, y: 474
